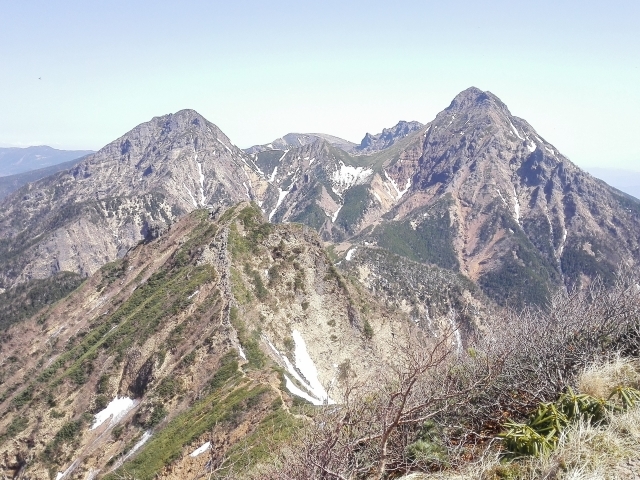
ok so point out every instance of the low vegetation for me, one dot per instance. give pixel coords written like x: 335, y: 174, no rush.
x: 529, y: 386
x: 28, y: 298
x: 428, y: 238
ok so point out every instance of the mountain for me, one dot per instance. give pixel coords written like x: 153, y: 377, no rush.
x: 369, y: 144
x: 476, y: 190
x: 293, y: 140
x: 11, y: 183
x: 172, y: 304
x: 214, y: 335
x: 389, y: 136
x: 134, y: 187
x: 18, y: 160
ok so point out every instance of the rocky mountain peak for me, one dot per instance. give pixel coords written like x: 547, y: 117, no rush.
x: 374, y: 143
x: 171, y: 127
x: 298, y: 140
x: 472, y: 99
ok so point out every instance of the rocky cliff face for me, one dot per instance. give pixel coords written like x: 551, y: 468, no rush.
x: 389, y: 136
x: 518, y: 209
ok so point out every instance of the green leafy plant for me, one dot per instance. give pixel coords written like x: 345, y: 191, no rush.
x: 582, y: 406
x: 540, y: 435
x: 628, y: 396
x: 523, y: 439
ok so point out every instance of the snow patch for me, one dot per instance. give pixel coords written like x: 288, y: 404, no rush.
x: 348, y: 176
x: 69, y: 470
x: 228, y: 149
x: 203, y: 201
x: 350, y: 254
x: 200, y: 450
x: 145, y: 436
x: 311, y: 161
x: 399, y: 192
x: 308, y: 369
x: 515, y: 131
x: 516, y: 205
x: 335, y: 215
x: 281, y: 195
x: 308, y: 376
x: 241, y: 352
x: 247, y: 189
x: 406, y: 188
x: 193, y: 294
x: 550, y: 150
x: 195, y: 204
x: 562, y: 243
x: 293, y: 388
x: 377, y: 197
x: 273, y: 174
x: 456, y: 332
x: 531, y: 146
x: 500, y: 193
x: 117, y: 408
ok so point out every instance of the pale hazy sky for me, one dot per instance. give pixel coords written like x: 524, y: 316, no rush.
x: 260, y: 69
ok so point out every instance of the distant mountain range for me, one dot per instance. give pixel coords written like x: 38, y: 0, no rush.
x: 19, y: 160
x: 369, y: 144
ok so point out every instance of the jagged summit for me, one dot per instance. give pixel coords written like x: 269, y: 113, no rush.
x: 375, y: 143
x: 369, y: 144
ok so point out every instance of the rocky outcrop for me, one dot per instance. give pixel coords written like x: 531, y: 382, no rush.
x: 389, y: 136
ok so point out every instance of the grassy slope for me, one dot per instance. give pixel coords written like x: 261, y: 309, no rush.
x: 187, y: 339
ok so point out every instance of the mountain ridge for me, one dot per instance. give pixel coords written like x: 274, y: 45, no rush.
x: 475, y: 190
